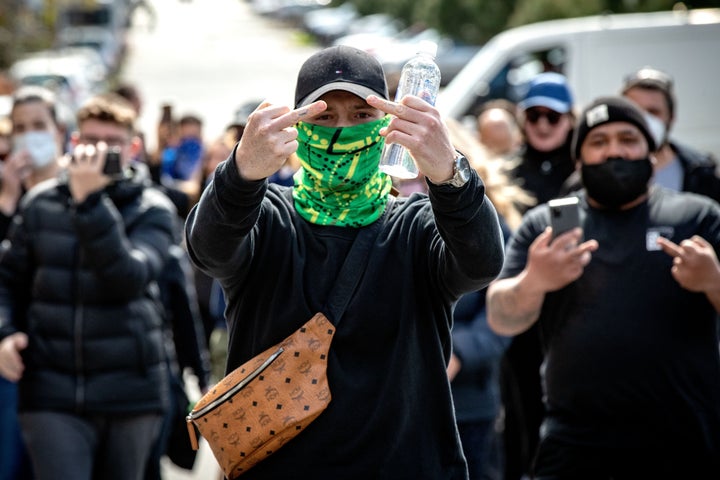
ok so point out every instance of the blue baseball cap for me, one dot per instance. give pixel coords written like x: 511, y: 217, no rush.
x: 549, y: 90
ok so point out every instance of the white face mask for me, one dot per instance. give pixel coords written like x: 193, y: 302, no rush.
x: 657, y: 129
x: 39, y: 144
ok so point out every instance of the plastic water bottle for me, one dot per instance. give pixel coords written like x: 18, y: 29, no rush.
x: 420, y: 77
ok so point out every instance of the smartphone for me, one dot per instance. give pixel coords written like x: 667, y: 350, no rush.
x: 112, y: 167
x: 564, y: 214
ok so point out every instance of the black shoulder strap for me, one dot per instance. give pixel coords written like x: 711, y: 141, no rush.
x: 354, y: 267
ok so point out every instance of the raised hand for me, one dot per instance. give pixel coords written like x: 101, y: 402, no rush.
x: 556, y: 263
x: 418, y: 127
x: 695, y: 265
x: 85, y: 171
x: 269, y: 138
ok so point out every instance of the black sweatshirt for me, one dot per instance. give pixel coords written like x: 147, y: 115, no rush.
x: 391, y: 415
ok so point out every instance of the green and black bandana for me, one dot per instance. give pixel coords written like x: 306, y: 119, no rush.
x: 339, y: 182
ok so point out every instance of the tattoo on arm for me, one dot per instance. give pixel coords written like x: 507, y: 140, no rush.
x: 513, y: 310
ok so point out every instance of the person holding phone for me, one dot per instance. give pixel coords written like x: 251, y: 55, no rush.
x: 628, y: 317
x: 80, y: 318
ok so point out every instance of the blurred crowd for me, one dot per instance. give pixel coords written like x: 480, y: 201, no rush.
x: 522, y: 151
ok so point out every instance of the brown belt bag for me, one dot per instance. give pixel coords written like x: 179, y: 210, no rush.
x: 274, y: 396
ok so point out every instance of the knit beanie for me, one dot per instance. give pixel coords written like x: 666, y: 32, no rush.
x: 606, y: 110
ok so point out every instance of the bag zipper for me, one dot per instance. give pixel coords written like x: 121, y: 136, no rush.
x: 192, y: 416
x: 216, y: 403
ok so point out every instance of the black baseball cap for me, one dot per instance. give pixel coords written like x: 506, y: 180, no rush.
x: 340, y: 68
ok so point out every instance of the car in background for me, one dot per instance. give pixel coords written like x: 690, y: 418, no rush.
x: 109, y: 44
x: 327, y: 24
x: 393, y: 51
x: 112, y: 15
x: 86, y: 59
x: 367, y: 31
x: 98, y: 24
x: 61, y: 75
x: 595, y: 53
x: 290, y: 12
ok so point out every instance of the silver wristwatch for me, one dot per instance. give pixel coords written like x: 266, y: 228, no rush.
x: 461, y: 172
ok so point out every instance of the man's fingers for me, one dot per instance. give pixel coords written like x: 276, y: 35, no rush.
x: 302, y: 114
x: 700, y: 241
x: 398, y: 108
x: 543, y: 240
x: 21, y: 341
x: 90, y: 151
x: 669, y: 247
x: 569, y: 238
x: 589, y: 246
x: 385, y: 105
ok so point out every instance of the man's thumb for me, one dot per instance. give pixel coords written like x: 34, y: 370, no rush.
x: 21, y: 341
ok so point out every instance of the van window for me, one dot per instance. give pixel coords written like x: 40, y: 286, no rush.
x: 511, y: 81
x: 100, y: 15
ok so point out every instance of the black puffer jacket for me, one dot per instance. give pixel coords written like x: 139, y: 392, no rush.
x: 92, y: 317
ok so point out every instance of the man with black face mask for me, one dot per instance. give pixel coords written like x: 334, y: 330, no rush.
x: 278, y: 250
x: 628, y: 316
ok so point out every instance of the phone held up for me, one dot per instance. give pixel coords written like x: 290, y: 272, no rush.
x: 564, y: 214
x: 113, y: 166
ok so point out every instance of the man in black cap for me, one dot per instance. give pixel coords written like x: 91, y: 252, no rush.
x: 628, y: 316
x: 677, y: 166
x: 277, y: 251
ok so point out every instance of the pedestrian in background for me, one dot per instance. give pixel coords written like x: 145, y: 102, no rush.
x: 87, y: 348
x: 475, y: 364
x: 546, y: 117
x: 181, y: 160
x: 498, y: 128
x: 677, y: 166
x: 627, y: 305
x: 544, y: 163
x: 35, y: 144
x: 185, y: 342
x: 277, y: 252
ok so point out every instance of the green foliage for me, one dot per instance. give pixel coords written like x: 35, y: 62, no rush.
x: 23, y: 30
x: 530, y: 11
x: 475, y: 21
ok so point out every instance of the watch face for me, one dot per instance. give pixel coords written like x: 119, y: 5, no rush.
x: 463, y: 168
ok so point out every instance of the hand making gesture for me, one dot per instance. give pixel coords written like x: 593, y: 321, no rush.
x: 269, y: 138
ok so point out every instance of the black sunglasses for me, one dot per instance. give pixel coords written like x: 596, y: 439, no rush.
x: 533, y: 115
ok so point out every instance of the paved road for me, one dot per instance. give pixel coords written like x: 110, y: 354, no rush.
x: 209, y: 57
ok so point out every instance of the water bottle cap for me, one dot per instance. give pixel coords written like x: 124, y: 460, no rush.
x: 428, y: 47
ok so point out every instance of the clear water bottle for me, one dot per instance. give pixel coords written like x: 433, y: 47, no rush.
x: 420, y: 77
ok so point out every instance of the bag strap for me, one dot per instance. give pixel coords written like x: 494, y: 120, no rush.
x: 354, y: 267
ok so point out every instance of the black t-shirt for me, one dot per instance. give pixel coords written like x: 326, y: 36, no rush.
x: 631, y: 357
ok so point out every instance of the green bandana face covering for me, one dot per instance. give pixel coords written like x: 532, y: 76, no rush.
x: 339, y: 182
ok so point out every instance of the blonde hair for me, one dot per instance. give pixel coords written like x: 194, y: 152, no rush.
x: 506, y: 195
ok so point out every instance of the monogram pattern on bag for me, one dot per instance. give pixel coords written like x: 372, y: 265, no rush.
x: 273, y: 407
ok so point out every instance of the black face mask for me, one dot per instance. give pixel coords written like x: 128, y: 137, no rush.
x: 617, y: 181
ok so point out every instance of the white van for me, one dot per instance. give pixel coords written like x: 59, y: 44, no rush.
x: 596, y: 53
